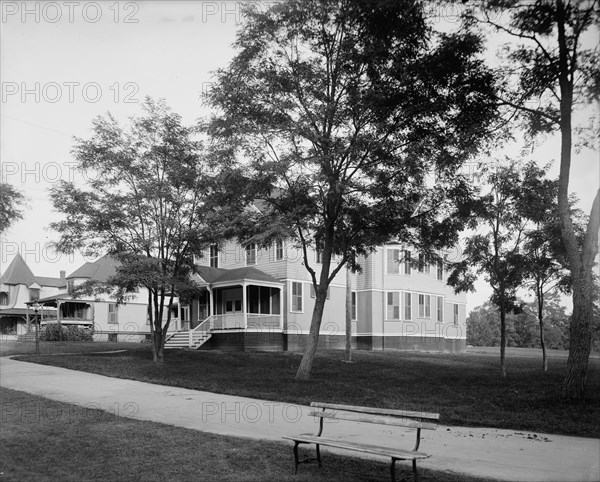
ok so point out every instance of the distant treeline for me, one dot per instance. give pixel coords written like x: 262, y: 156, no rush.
x: 523, y: 330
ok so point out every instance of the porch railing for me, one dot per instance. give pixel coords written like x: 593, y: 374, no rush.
x: 263, y: 322
x: 204, y: 327
x: 228, y: 321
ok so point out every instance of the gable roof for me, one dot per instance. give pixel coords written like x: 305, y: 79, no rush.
x: 100, y: 270
x: 18, y: 273
x: 208, y: 275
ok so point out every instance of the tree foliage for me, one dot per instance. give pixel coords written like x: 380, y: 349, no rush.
x: 145, y: 203
x: 495, y: 249
x: 483, y: 328
x: 350, y: 120
x: 11, y: 202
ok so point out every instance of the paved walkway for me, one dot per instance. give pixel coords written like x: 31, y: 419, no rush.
x: 500, y: 454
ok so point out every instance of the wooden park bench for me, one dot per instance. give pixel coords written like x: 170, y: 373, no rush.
x: 396, y: 418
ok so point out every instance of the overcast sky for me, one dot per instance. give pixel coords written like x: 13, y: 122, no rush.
x: 64, y: 63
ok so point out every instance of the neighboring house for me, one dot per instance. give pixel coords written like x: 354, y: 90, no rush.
x: 111, y: 321
x: 263, y: 299
x: 18, y: 287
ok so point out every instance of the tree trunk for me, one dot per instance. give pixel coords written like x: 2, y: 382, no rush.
x: 580, y: 261
x: 348, y: 354
x: 580, y: 340
x: 502, y: 340
x: 305, y: 367
x: 540, y: 300
x: 543, y: 343
x: 159, y: 347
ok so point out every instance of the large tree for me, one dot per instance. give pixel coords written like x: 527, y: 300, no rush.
x: 551, y: 71
x: 11, y: 202
x: 144, y: 202
x: 352, y: 118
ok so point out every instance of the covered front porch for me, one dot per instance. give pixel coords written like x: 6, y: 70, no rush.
x: 60, y: 309
x: 242, y: 299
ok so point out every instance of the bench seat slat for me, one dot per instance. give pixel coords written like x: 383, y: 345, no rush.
x: 360, y: 447
x: 378, y: 419
x: 379, y: 411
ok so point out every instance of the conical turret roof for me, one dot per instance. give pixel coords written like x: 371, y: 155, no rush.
x: 17, y: 273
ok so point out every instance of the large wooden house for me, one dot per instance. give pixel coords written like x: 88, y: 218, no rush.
x: 262, y: 299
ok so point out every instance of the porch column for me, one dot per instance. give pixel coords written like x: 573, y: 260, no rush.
x: 281, y: 308
x: 58, y: 303
x: 211, y: 323
x: 27, y: 318
x: 179, y: 325
x: 244, y: 307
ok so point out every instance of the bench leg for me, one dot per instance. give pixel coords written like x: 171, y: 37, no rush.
x: 295, y: 458
x: 415, y: 474
x: 393, y: 469
x: 319, y: 455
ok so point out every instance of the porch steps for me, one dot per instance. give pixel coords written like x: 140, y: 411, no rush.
x: 181, y: 339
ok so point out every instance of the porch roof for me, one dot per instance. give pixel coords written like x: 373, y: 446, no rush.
x: 59, y: 297
x: 206, y: 275
x: 13, y: 312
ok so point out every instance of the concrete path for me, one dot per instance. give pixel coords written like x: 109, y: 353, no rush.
x: 500, y: 454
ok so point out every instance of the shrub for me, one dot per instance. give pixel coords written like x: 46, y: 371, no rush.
x: 56, y: 332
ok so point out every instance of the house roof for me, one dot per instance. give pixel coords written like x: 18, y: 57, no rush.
x: 48, y: 281
x: 18, y: 273
x: 211, y: 276
x: 100, y: 270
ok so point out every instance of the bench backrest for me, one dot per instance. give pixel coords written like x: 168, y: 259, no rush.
x: 382, y: 416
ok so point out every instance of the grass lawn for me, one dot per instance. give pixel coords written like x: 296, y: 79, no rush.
x: 8, y: 348
x: 43, y: 440
x: 465, y: 389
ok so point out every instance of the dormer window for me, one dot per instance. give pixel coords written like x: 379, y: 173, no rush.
x: 70, y: 286
x: 3, y: 298
x: 34, y: 294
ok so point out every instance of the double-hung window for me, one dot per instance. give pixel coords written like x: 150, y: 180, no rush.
x: 440, y: 309
x: 424, y: 306
x: 296, y: 301
x: 393, y: 305
x: 456, y: 314
x: 113, y: 313
x: 214, y: 256
x: 393, y: 261
x: 423, y: 264
x: 408, y: 306
x: 250, y: 254
x: 407, y: 262
x: 278, y: 250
